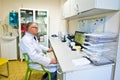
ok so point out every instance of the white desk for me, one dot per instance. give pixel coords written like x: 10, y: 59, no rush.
x: 68, y: 71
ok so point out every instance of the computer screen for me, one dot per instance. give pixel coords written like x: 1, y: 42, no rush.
x: 79, y: 38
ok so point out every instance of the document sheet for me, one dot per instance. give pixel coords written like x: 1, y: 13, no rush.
x: 80, y: 62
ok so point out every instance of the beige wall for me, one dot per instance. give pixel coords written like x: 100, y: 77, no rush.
x: 112, y: 23
x: 56, y: 23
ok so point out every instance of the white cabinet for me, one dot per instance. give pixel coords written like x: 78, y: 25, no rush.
x: 81, y: 8
x: 74, y: 7
x: 34, y: 15
x: 70, y: 8
x: 98, y: 4
x: 96, y: 73
x: 85, y: 5
x: 66, y: 9
x: 38, y: 16
x: 9, y: 49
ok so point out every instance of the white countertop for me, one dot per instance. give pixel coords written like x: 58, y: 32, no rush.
x: 65, y: 56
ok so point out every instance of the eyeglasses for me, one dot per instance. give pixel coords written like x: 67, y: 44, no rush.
x: 35, y: 27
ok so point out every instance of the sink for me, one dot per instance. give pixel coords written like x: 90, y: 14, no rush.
x: 8, y: 38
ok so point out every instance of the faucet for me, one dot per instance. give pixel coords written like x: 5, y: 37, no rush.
x: 10, y: 33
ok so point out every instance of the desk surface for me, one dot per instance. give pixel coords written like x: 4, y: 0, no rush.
x: 65, y: 56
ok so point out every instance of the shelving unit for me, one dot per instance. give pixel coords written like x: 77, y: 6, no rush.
x: 34, y: 15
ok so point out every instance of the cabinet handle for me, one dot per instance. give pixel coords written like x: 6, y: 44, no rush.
x: 77, y: 8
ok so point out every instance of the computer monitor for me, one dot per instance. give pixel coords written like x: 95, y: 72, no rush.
x: 79, y: 38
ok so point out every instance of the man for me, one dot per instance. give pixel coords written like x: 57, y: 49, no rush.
x: 30, y: 44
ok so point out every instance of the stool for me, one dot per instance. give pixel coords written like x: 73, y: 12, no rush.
x: 4, y: 61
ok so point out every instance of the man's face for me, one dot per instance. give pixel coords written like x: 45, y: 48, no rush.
x: 33, y: 29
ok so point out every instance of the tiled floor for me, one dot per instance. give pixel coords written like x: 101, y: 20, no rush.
x: 17, y: 71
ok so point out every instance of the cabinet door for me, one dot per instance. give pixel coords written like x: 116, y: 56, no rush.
x: 97, y: 73
x: 13, y: 51
x: 66, y: 9
x: 26, y: 15
x: 9, y: 50
x: 85, y: 5
x: 74, y: 9
x: 41, y: 17
x: 108, y: 4
x: 4, y: 49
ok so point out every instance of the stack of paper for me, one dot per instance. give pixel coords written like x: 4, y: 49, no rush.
x: 101, y: 37
x: 101, y: 44
x: 80, y: 62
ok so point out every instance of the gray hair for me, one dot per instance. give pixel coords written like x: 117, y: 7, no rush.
x: 29, y: 24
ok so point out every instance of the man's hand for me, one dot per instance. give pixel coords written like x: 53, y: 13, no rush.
x: 50, y: 49
x: 53, y: 61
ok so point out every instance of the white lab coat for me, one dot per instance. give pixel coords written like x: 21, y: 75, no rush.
x: 35, y: 50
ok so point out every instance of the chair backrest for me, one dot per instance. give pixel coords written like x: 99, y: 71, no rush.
x: 27, y: 59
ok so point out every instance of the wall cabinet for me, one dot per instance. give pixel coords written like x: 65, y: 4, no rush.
x: 74, y: 7
x: 98, y: 4
x: 80, y: 8
x: 38, y: 16
x: 66, y: 9
x: 70, y: 8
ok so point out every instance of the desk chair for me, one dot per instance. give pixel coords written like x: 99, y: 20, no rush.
x: 29, y: 69
x: 4, y: 61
